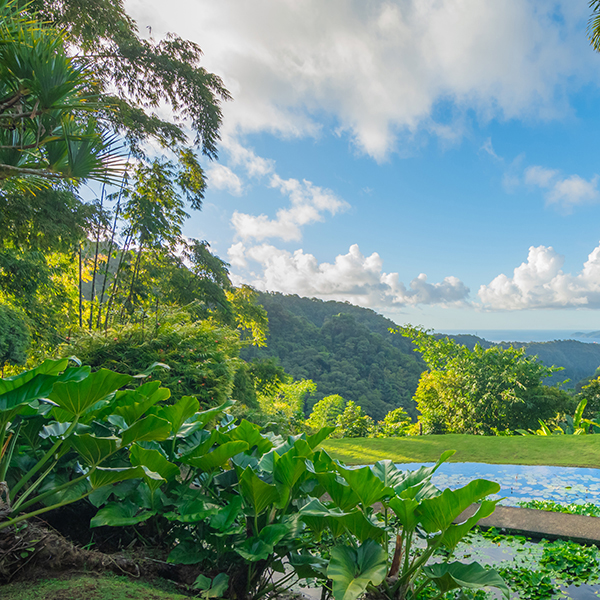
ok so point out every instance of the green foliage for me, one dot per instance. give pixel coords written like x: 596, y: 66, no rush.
x: 587, y: 509
x: 136, y: 76
x: 202, y: 356
x: 353, y: 423
x: 14, y: 337
x: 48, y: 131
x: 480, y: 390
x: 325, y: 412
x: 50, y: 422
x: 284, y: 404
x: 396, y: 423
x: 570, y: 560
x: 344, y: 349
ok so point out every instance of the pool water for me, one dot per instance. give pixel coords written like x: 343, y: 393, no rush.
x: 520, y: 483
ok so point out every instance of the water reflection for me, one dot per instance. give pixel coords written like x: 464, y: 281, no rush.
x: 522, y: 482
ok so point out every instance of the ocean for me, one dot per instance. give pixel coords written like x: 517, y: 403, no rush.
x: 527, y: 335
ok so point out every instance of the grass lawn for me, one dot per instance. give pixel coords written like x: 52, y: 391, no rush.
x: 563, y: 450
x: 86, y: 587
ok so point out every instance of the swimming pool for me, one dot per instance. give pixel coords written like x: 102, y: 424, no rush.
x: 522, y: 482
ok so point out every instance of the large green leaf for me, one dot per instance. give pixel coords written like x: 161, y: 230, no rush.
x: 177, y: 414
x: 451, y: 576
x: 262, y: 546
x: 39, y: 386
x: 155, y: 462
x: 307, y: 566
x: 388, y: 472
x: 250, y: 433
x: 121, y: 514
x: 287, y: 470
x: 413, y: 478
x: 437, y: 514
x: 212, y: 589
x: 341, y: 494
x: 256, y: 493
x: 108, y: 476
x: 352, y: 570
x: 227, y: 515
x: 148, y: 429
x: 192, y: 511
x: 93, y: 449
x: 366, y: 485
x: 48, y: 367
x: 76, y: 397
x: 133, y: 404
x: 315, y: 439
x: 212, y: 414
x: 217, y: 457
x: 455, y: 533
x: 317, y: 517
x: 405, y: 511
x: 254, y: 549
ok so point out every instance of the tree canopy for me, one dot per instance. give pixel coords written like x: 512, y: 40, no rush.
x: 481, y: 391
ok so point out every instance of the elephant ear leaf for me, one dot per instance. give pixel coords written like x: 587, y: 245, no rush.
x: 75, y: 397
x: 456, y: 575
x: 352, y: 570
x: 255, y: 492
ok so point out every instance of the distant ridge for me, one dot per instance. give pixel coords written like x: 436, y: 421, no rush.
x: 590, y: 334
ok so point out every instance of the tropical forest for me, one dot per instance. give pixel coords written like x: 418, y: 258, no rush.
x: 170, y: 429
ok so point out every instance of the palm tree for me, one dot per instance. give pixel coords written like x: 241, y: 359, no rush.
x: 47, y: 125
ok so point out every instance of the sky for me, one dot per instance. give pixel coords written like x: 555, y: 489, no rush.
x: 434, y: 160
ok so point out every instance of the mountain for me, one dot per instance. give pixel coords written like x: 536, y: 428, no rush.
x: 344, y: 349
x: 348, y: 350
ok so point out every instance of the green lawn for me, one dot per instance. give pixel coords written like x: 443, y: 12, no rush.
x: 88, y: 587
x: 564, y: 450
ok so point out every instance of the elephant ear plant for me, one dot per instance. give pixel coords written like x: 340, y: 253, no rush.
x: 57, y: 443
x: 255, y: 512
x: 251, y: 511
x: 386, y: 552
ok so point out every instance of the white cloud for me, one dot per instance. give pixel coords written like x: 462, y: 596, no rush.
x: 539, y: 176
x: 541, y: 283
x: 565, y: 192
x: 380, y: 69
x: 351, y: 277
x: 489, y: 148
x: 255, y: 166
x: 573, y: 191
x: 221, y: 177
x: 308, y: 203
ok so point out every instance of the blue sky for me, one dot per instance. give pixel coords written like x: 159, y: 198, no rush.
x: 435, y: 160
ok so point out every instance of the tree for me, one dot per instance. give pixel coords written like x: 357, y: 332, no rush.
x: 395, y: 424
x: 136, y: 76
x: 48, y: 130
x: 325, y: 412
x: 480, y: 391
x: 353, y: 423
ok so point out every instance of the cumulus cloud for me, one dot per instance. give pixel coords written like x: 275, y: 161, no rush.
x: 221, y: 177
x: 565, y: 192
x: 541, y: 283
x: 380, y: 69
x: 308, y: 203
x: 351, y: 277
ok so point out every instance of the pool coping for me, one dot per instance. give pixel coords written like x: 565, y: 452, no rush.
x: 540, y: 524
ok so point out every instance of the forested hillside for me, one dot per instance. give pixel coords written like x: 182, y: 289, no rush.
x: 344, y: 349
x: 348, y: 350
